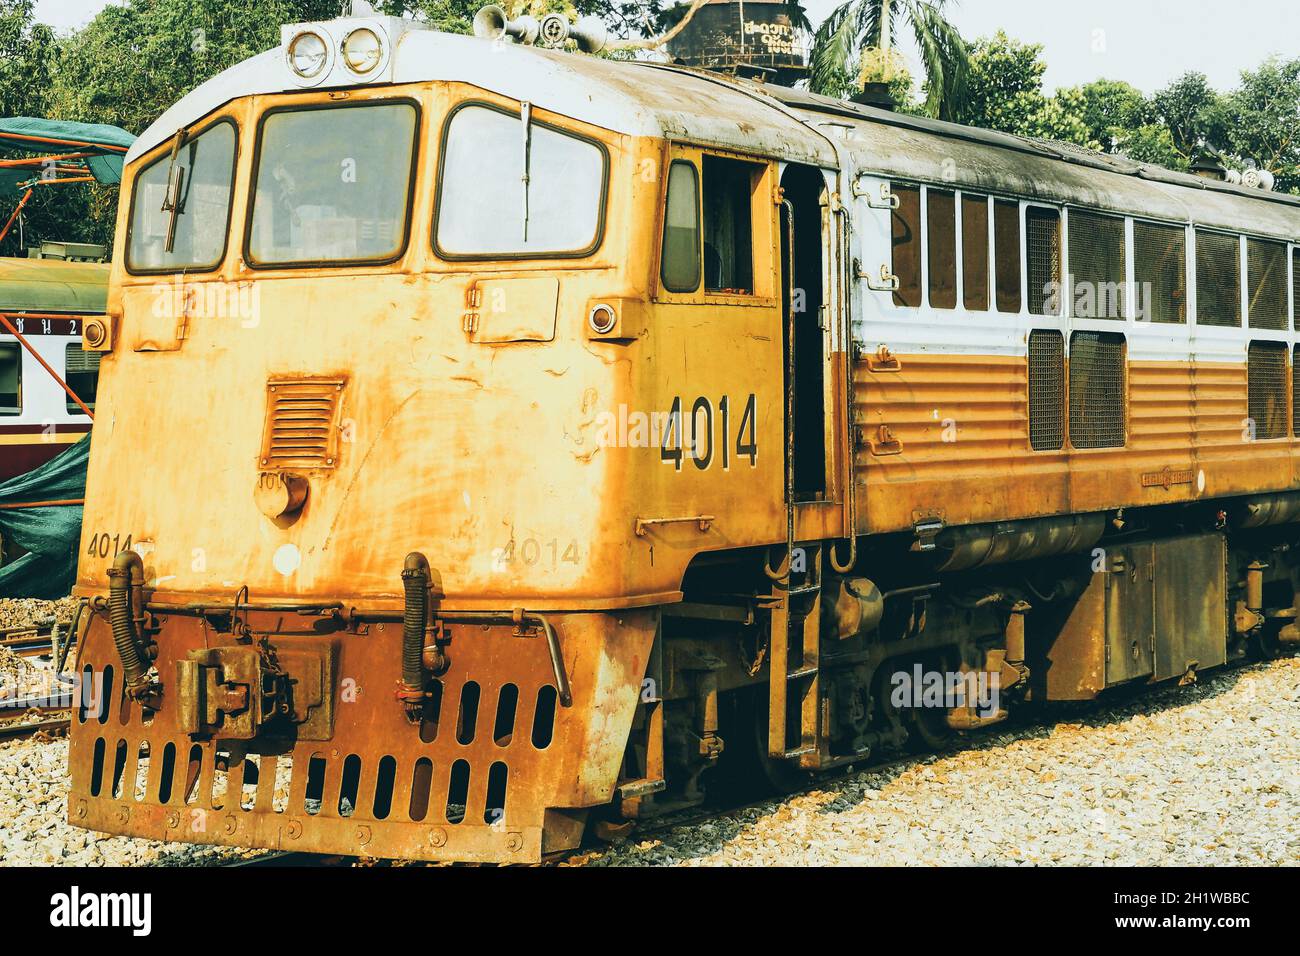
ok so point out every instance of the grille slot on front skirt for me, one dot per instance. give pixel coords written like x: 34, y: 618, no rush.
x: 302, y: 424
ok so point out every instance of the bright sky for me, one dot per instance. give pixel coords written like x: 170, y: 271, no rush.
x: 1146, y: 42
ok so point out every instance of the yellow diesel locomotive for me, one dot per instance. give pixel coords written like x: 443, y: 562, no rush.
x: 496, y: 441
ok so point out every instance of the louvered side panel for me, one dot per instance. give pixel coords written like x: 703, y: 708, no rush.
x: 960, y: 431
x: 1161, y: 416
x: 302, y: 424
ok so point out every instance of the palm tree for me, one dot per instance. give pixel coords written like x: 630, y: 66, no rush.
x: 856, y: 25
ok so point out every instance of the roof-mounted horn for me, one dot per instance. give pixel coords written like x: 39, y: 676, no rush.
x: 491, y: 23
x: 589, y: 33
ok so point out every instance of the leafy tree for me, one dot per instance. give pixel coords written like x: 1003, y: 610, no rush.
x: 857, y: 25
x: 1264, y: 120
x: 1111, y: 109
x: 1193, y: 113
x: 26, y: 60
x: 1005, y: 92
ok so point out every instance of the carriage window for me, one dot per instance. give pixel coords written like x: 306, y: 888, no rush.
x: 1218, y: 280
x: 1043, y: 239
x: 941, y: 226
x: 333, y: 185
x: 1160, y: 272
x: 975, y: 252
x: 906, y: 241
x: 82, y: 375
x: 1266, y: 270
x: 485, y: 207
x: 680, y: 261
x: 203, y: 177
x: 11, y: 379
x: 728, y: 228
x: 1097, y: 266
x: 1006, y: 252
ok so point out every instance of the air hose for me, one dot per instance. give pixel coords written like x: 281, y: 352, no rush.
x: 124, y: 578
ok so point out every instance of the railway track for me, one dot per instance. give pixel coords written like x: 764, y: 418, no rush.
x: 16, y: 729
x: 30, y: 640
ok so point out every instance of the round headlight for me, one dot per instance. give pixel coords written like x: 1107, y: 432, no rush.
x: 362, y: 50
x: 308, y: 54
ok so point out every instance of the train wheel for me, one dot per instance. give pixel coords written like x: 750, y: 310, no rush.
x: 928, y: 730
x: 745, y: 771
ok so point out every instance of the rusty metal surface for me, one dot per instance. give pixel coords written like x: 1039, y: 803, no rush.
x: 471, y: 783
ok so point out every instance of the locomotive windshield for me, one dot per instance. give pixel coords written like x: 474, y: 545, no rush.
x: 486, y: 206
x: 181, y: 207
x: 333, y: 185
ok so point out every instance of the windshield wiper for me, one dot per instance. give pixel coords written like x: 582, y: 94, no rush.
x: 526, y: 117
x: 174, y: 201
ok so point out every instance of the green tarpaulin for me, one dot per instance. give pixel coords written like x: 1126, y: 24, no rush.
x: 50, y: 534
x: 23, y: 137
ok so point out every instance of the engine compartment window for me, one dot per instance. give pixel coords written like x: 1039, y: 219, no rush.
x: 1218, y: 279
x: 905, y: 241
x: 975, y: 252
x: 680, y: 259
x: 333, y: 184
x: 1006, y: 254
x: 184, y: 203
x: 1098, y: 251
x: 1043, y: 263
x: 11, y: 379
x: 1266, y: 292
x: 1160, y: 271
x: 729, y: 186
x: 487, y: 209
x: 941, y: 226
x: 81, y: 372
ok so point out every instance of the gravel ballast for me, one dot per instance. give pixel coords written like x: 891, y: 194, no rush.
x: 1204, y: 775
x: 1207, y: 775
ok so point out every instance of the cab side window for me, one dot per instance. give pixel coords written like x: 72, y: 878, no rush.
x: 680, y: 259
x: 728, y: 225
x: 11, y: 379
x: 82, y: 375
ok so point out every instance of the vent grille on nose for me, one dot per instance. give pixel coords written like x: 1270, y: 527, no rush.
x: 302, y: 424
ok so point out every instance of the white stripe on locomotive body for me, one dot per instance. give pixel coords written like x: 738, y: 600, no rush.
x: 959, y: 331
x: 44, y: 402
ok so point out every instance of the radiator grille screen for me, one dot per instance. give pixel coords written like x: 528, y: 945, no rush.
x: 1266, y: 386
x: 1295, y: 287
x: 1295, y: 392
x: 1046, y: 390
x: 1218, y: 280
x: 1097, y: 265
x: 1097, y: 389
x: 1266, y: 270
x: 1160, y: 272
x: 1043, y: 237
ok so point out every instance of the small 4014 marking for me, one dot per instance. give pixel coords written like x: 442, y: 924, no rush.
x: 702, y: 450
x: 105, y: 545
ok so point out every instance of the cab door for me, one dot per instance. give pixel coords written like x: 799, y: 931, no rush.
x: 716, y: 354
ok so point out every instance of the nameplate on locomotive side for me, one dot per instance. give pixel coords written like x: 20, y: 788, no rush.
x: 1167, y: 477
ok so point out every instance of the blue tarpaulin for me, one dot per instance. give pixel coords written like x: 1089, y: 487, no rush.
x: 50, y: 535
